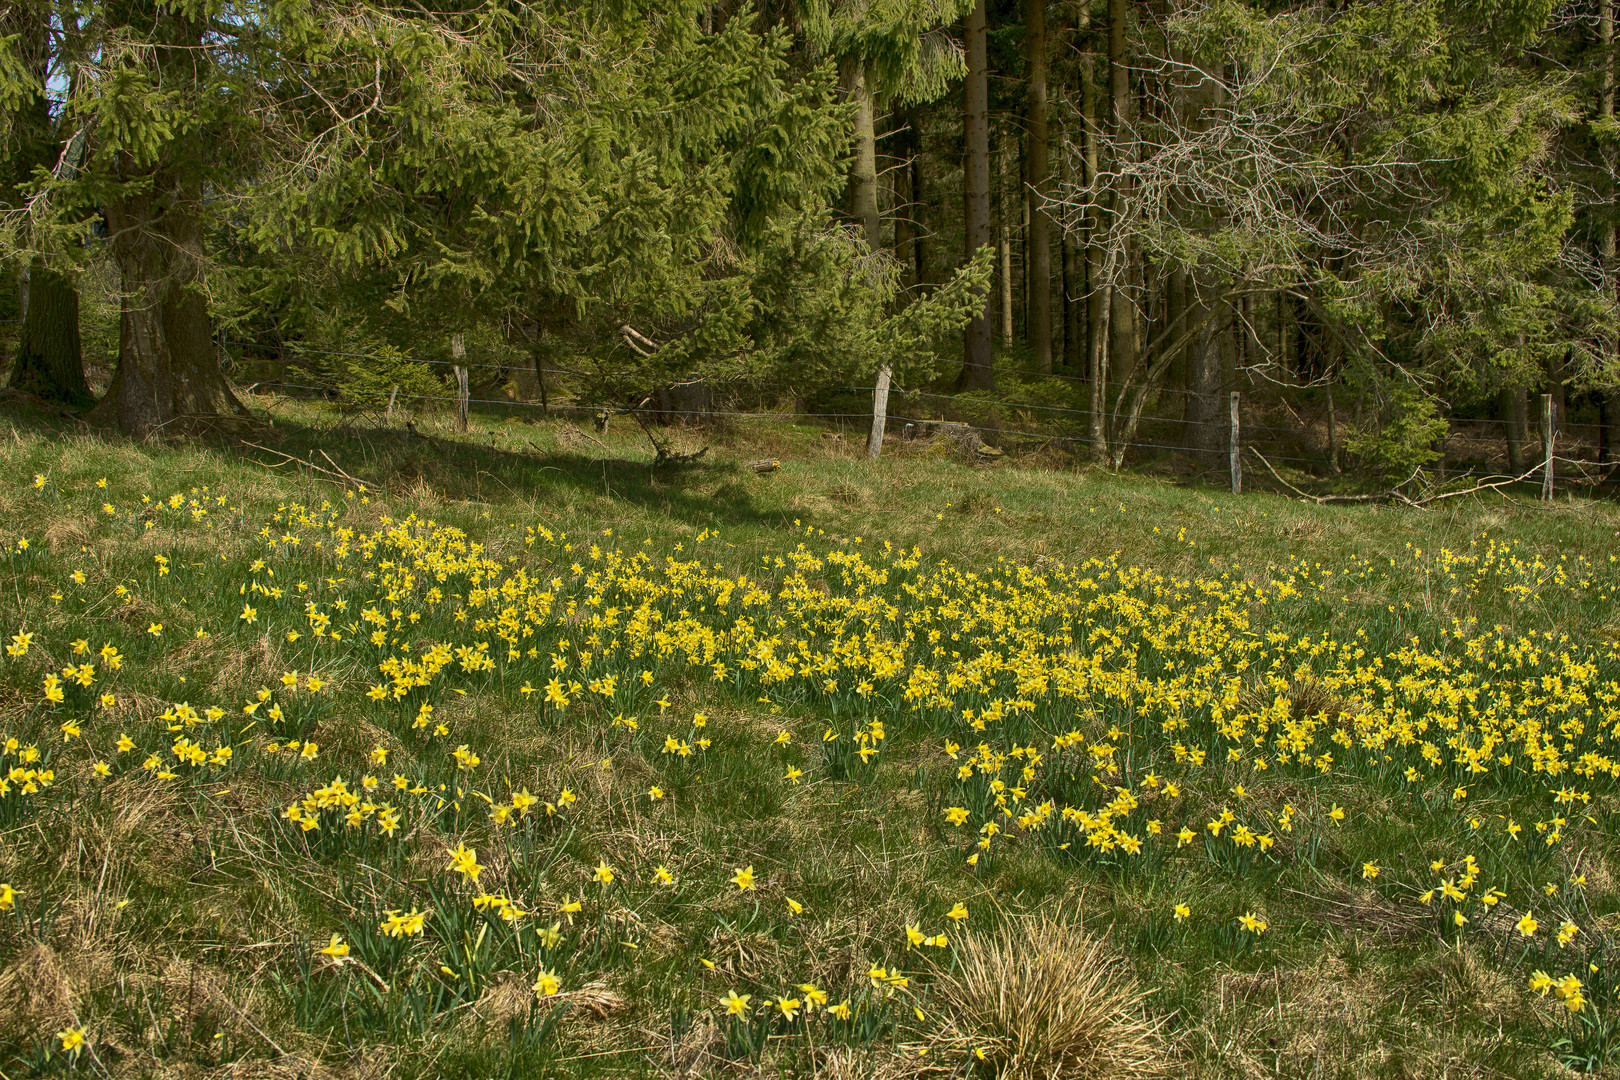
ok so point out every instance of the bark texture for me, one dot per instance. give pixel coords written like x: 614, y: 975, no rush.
x: 168, y: 374
x: 977, y: 372
x: 49, y: 363
x: 1038, y: 328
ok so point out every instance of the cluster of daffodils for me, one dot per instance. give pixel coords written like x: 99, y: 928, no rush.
x: 1098, y: 711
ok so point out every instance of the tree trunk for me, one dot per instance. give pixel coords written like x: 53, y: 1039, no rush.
x: 49, y: 363
x: 919, y: 214
x: 1515, y: 421
x: 1038, y: 324
x: 863, y: 207
x: 168, y: 369
x: 1004, y: 204
x: 1609, y: 404
x: 1206, y: 434
x: 1609, y: 427
x: 1175, y: 303
x: 905, y: 230
x: 977, y: 372
x: 1004, y: 243
x: 1097, y: 370
x: 1335, y: 355
x: 1098, y: 306
x: 1074, y: 291
x: 863, y: 200
x: 1122, y: 321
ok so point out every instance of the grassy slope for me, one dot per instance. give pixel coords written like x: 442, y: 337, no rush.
x: 162, y: 916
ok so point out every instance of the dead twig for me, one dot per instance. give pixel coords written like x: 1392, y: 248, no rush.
x: 1394, y: 494
x: 338, y: 475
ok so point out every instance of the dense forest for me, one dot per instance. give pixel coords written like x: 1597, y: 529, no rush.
x: 1390, y: 222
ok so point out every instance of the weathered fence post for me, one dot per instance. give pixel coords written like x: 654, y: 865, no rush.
x: 1547, y: 436
x: 880, y: 412
x: 458, y: 353
x: 1237, y: 462
x: 392, y: 394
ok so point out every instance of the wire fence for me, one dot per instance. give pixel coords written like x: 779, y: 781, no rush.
x: 1266, y: 424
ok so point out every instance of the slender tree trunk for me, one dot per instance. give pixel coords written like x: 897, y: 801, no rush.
x: 1098, y: 306
x: 1122, y: 348
x: 1206, y: 419
x: 1557, y: 373
x: 1036, y: 170
x: 977, y: 372
x: 863, y: 207
x: 1335, y: 355
x: 919, y: 213
x: 1175, y: 303
x: 1004, y: 246
x: 1609, y: 403
x: 863, y: 197
x: 1515, y: 421
x: 1074, y: 290
x: 905, y: 209
x: 1097, y: 369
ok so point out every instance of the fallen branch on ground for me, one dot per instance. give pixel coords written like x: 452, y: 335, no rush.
x: 334, y: 473
x: 1395, y: 494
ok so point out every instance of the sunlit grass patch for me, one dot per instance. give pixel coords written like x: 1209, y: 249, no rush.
x: 516, y: 786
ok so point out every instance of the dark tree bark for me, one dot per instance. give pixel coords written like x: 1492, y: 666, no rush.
x: 49, y: 362
x: 1516, y: 421
x: 168, y: 376
x: 1206, y: 420
x: 1608, y: 404
x: 906, y: 201
x: 1006, y: 153
x: 1038, y: 327
x: 1123, y: 317
x: 919, y: 212
x: 977, y: 371
x: 1074, y: 292
x: 168, y: 369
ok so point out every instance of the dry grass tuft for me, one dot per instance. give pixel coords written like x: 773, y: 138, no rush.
x: 508, y: 999
x: 35, y: 992
x: 1044, y: 1001
x: 595, y: 998
x: 700, y: 1051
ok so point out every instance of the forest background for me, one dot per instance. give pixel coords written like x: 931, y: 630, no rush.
x: 1389, y: 225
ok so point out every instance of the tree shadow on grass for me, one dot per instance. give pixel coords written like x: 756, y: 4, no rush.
x: 396, y: 461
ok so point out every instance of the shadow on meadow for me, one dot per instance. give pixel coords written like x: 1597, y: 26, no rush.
x: 428, y: 466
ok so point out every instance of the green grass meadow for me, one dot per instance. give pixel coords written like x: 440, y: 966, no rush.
x: 1398, y: 707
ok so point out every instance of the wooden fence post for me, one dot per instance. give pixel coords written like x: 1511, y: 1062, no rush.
x: 880, y: 412
x: 1547, y: 436
x: 458, y: 353
x: 392, y: 394
x: 1237, y: 462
